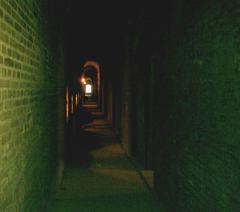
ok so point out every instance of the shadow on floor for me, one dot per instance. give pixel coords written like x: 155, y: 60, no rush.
x: 81, y: 142
x: 99, y: 176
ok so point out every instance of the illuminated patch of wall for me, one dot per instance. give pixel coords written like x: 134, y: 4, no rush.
x: 67, y: 105
x: 77, y: 99
x: 72, y: 104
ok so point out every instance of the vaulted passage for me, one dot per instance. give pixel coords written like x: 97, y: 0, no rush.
x: 119, y: 107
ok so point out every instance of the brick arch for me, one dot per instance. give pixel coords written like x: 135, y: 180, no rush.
x: 95, y: 65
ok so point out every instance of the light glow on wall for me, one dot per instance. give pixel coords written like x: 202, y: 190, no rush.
x: 72, y: 104
x: 76, y: 99
x: 67, y: 105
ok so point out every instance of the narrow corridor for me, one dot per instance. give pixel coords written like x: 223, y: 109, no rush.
x: 100, y: 177
x: 163, y: 77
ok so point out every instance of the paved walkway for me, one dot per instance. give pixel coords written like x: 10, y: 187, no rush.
x: 100, y: 178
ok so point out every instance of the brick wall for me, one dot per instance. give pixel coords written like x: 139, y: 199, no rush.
x: 31, y: 107
x: 197, y: 147
x: 194, y: 46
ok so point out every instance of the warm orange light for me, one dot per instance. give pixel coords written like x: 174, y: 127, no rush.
x: 76, y: 99
x: 67, y: 106
x: 72, y: 106
x: 67, y: 112
x: 83, y: 80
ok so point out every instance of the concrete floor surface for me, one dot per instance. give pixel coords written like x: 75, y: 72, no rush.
x: 100, y: 178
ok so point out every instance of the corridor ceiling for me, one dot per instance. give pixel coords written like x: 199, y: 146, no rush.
x: 96, y: 30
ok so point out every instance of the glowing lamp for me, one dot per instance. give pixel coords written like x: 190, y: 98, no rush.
x: 88, y: 89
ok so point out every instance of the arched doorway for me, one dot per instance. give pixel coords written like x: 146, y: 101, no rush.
x: 92, y: 87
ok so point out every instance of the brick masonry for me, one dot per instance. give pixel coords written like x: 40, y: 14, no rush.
x: 31, y: 107
x: 197, y: 149
x: 196, y: 158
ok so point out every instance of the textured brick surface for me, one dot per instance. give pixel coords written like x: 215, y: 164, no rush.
x: 198, y: 143
x: 30, y: 107
x: 196, y: 96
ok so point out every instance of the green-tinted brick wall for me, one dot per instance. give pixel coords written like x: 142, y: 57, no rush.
x: 198, y: 146
x: 31, y: 107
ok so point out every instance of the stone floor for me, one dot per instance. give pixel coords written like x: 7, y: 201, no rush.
x: 100, y: 177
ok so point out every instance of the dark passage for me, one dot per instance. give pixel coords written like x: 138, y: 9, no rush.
x: 120, y: 106
x: 100, y: 177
